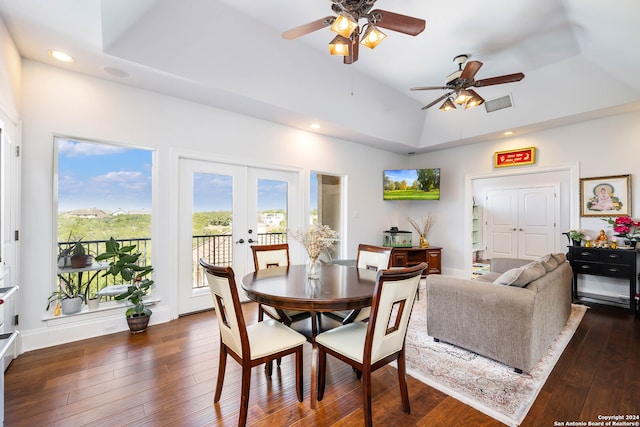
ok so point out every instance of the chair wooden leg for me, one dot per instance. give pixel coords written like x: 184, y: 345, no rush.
x: 244, y: 397
x: 402, y: 382
x: 222, y: 364
x: 366, y: 397
x: 299, y: 382
x: 268, y: 368
x: 279, y: 361
x: 260, y: 313
x: 322, y: 364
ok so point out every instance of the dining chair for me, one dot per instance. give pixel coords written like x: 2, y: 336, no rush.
x: 249, y: 345
x: 268, y: 256
x: 369, y: 258
x: 368, y: 346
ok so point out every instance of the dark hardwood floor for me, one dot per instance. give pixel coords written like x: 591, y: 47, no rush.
x: 166, y: 377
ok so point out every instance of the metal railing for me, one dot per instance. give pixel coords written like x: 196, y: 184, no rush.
x: 93, y: 281
x: 216, y: 249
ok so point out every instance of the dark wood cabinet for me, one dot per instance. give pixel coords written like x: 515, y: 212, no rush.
x: 407, y: 257
x: 616, y: 263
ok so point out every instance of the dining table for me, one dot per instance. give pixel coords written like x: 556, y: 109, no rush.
x: 339, y: 287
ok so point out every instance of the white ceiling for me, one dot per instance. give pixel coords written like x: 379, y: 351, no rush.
x: 578, y: 57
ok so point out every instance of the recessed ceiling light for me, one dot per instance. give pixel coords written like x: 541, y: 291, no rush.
x: 61, y: 56
x: 314, y: 126
x: 509, y: 132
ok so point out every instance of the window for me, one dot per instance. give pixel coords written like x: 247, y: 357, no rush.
x: 326, y: 204
x: 102, y: 191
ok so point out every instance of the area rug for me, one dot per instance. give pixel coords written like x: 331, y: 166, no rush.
x: 484, y: 384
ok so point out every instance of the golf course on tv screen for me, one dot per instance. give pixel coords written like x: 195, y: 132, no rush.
x: 411, y: 184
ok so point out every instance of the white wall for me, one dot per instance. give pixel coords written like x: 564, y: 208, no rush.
x: 604, y: 147
x: 58, y: 102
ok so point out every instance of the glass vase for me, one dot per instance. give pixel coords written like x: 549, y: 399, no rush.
x: 313, y: 268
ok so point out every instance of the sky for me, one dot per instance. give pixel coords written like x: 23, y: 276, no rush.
x: 408, y: 175
x: 103, y: 176
x: 109, y: 177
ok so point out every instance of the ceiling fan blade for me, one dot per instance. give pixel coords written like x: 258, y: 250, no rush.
x: 396, y: 22
x: 353, y: 50
x: 509, y: 78
x: 470, y: 70
x: 437, y: 100
x: 310, y: 27
x: 429, y: 88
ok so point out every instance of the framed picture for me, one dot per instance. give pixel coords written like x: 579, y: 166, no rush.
x: 605, y: 196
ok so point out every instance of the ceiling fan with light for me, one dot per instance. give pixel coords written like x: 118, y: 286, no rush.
x: 459, y: 82
x: 350, y: 35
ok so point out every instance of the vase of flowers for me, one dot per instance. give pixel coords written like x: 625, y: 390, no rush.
x: 627, y: 228
x: 423, y: 228
x: 316, y: 239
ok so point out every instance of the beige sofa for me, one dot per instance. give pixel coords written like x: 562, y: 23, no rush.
x: 513, y: 324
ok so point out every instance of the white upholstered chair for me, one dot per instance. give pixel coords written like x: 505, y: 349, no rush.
x: 371, y: 345
x: 249, y: 345
x: 369, y: 258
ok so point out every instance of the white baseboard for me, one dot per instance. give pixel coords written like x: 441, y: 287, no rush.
x: 89, y: 326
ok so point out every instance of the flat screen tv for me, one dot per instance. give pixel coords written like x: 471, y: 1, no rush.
x: 411, y: 184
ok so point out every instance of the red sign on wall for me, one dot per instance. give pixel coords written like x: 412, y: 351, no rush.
x: 522, y: 156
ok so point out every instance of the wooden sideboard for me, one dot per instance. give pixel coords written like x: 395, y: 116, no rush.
x: 617, y: 263
x: 407, y: 257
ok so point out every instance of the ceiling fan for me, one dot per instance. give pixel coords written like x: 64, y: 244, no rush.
x: 459, y: 82
x: 350, y: 35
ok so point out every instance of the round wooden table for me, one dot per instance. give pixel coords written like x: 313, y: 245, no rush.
x: 339, y: 287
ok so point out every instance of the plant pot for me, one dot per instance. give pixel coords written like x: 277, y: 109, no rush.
x: 93, y: 303
x: 138, y: 323
x: 79, y: 261
x: 71, y: 305
x: 64, y: 261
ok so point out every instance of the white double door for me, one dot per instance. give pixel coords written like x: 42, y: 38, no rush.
x: 239, y: 203
x: 521, y: 222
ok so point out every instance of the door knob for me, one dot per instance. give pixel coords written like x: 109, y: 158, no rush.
x: 240, y: 241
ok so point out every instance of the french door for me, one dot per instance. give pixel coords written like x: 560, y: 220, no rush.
x: 521, y: 222
x: 224, y: 209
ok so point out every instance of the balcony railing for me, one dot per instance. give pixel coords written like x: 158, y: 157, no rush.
x: 216, y: 249
x: 92, y: 282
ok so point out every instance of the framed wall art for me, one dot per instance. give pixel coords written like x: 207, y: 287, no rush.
x: 605, y: 196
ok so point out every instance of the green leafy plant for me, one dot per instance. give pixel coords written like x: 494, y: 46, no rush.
x: 67, y: 288
x: 124, y: 263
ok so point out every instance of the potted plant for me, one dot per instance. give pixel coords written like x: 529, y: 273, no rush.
x: 123, y: 263
x: 68, y: 295
x: 79, y: 255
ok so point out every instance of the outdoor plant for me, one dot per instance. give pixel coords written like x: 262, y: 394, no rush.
x: 124, y: 264
x: 67, y: 288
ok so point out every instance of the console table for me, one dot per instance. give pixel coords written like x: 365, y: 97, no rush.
x: 617, y: 263
x: 407, y: 257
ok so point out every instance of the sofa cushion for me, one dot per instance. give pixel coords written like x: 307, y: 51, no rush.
x: 522, y: 276
x: 560, y: 257
x: 548, y: 262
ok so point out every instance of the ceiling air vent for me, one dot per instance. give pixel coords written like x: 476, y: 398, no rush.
x: 498, y: 104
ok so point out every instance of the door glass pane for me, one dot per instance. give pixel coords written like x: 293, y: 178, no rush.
x: 212, y: 222
x: 326, y: 204
x: 272, y: 211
